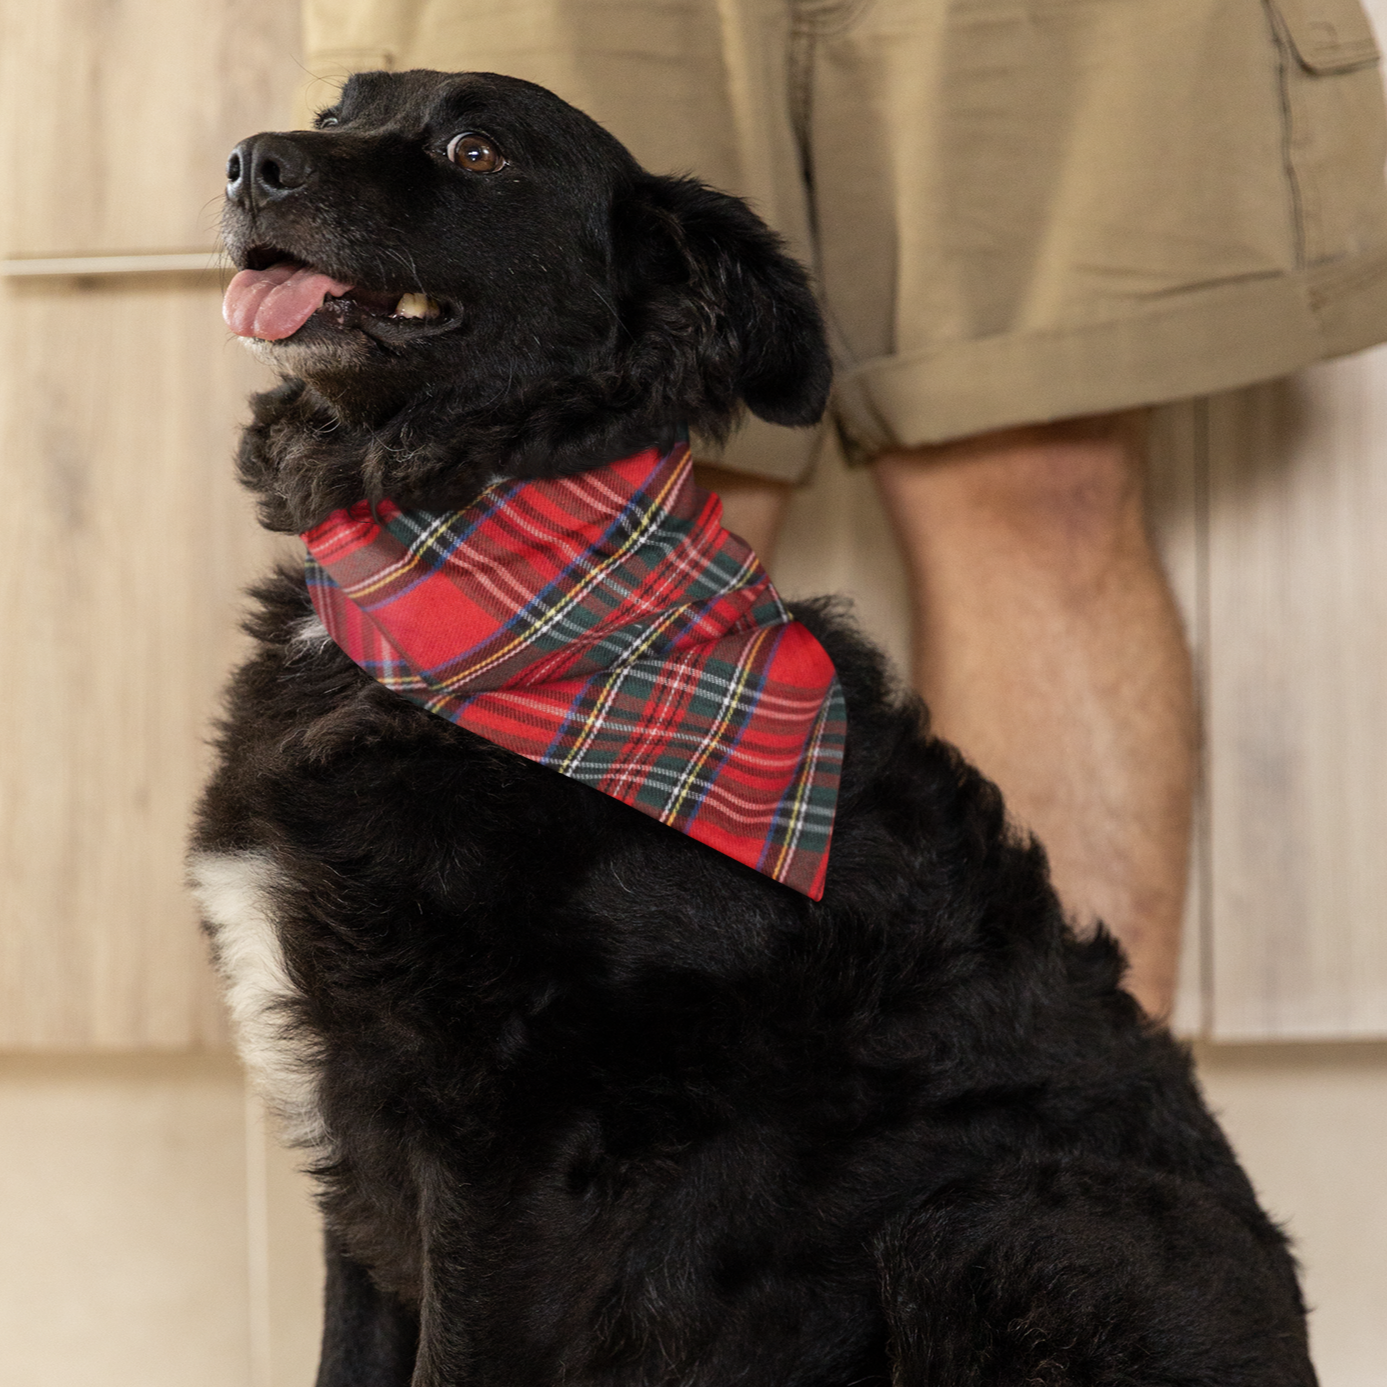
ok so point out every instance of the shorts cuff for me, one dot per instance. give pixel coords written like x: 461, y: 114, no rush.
x: 1207, y: 340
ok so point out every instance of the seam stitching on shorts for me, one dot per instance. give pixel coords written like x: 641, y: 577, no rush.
x: 828, y: 20
x: 801, y: 101
x: 1285, y: 56
x: 806, y: 31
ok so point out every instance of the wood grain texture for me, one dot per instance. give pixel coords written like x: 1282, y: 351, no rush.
x: 118, y: 118
x: 1297, y: 705
x: 126, y: 543
x: 126, y: 547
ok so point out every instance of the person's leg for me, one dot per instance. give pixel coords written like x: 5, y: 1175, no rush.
x: 1049, y: 650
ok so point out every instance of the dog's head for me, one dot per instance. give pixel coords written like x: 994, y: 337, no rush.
x: 463, y: 277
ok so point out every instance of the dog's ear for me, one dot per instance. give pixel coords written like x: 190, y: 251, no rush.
x: 709, y: 290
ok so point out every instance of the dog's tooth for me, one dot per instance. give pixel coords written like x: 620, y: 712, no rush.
x: 416, y: 306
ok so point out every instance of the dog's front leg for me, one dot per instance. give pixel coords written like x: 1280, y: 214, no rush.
x: 1094, y: 1274
x: 369, y: 1338
x: 446, y: 1351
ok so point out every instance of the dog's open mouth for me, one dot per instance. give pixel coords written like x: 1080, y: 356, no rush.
x: 277, y: 295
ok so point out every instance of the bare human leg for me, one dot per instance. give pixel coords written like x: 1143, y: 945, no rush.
x: 1050, y: 651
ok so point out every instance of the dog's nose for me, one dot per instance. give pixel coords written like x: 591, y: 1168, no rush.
x: 265, y: 168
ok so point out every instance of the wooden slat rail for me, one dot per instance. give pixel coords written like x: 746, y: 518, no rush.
x: 170, y: 262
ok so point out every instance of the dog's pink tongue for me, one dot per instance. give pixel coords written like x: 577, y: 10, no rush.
x: 277, y: 302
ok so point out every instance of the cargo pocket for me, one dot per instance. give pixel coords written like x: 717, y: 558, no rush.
x: 1327, y: 35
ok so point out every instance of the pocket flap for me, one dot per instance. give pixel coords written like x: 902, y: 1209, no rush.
x: 1328, y: 35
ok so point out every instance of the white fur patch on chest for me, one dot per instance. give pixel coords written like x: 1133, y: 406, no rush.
x: 236, y: 893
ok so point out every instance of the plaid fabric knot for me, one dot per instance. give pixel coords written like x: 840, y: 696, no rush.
x: 607, y: 626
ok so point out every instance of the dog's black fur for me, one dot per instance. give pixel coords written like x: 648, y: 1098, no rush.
x: 598, y: 1104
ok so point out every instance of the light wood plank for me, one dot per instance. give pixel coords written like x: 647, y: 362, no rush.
x: 123, y: 1260
x: 1298, y: 705
x: 127, y: 544
x: 118, y: 119
x: 138, y: 263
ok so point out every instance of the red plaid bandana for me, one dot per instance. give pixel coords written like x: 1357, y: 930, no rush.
x: 607, y: 626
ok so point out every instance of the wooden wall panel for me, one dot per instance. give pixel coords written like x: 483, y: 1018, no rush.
x: 126, y: 546
x: 118, y: 118
x: 125, y: 540
x: 124, y: 1208
x: 1297, y: 705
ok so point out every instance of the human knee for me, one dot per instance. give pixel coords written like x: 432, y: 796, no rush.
x: 1070, y: 487
x: 1074, y: 483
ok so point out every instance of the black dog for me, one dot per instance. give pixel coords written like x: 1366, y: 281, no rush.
x: 589, y: 1102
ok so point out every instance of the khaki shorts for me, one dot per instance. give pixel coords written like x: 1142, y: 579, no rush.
x: 1017, y: 210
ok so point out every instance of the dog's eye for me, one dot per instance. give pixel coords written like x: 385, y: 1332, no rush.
x: 475, y: 152
x: 325, y: 120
